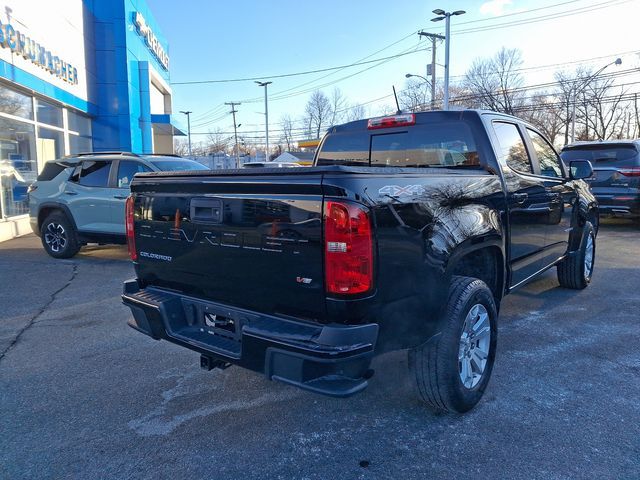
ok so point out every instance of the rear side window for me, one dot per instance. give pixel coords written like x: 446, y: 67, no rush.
x: 50, y: 171
x: 512, y: 149
x: 127, y: 169
x: 604, y: 155
x: 433, y: 145
x: 95, y: 173
x: 345, y: 149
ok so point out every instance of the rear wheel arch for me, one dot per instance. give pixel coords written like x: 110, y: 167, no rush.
x: 485, y: 263
x: 49, y: 208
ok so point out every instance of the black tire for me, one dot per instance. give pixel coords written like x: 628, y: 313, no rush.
x: 58, y: 236
x: 435, y: 366
x: 574, y: 272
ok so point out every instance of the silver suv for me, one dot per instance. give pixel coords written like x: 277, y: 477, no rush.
x: 80, y: 199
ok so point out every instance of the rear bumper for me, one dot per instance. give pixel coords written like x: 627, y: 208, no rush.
x: 619, y: 204
x: 328, y: 359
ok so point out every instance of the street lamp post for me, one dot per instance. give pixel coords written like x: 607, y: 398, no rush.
x: 409, y: 75
x: 266, y: 118
x: 187, y: 113
x: 617, y: 61
x: 442, y: 15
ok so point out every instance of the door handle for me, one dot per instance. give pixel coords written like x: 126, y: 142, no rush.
x: 120, y: 197
x: 520, y: 197
x: 69, y: 192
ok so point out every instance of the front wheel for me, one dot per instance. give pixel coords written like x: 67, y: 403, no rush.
x: 452, y: 370
x: 576, y: 270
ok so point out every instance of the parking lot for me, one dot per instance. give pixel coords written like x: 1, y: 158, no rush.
x: 84, y: 396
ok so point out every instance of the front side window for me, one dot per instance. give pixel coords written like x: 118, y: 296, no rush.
x: 512, y: 148
x: 127, y: 169
x: 547, y: 157
x: 95, y: 173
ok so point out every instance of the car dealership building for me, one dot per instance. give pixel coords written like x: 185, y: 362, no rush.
x: 77, y: 76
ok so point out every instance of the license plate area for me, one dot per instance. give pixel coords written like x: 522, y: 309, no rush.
x: 217, y: 324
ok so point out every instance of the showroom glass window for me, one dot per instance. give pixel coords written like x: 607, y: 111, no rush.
x: 34, y: 130
x: 49, y: 113
x: 79, y: 132
x: 18, y: 167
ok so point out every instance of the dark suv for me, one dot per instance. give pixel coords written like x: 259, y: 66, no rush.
x: 616, y: 181
x: 80, y: 199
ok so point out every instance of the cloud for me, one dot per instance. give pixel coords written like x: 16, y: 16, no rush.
x: 494, y: 7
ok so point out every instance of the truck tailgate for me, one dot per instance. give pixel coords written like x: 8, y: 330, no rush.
x: 253, y: 242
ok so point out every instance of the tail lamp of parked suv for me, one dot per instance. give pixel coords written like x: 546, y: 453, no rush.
x: 348, y: 248
x: 129, y: 225
x: 630, y: 172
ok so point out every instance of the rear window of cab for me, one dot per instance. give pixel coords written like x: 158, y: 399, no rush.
x: 444, y: 145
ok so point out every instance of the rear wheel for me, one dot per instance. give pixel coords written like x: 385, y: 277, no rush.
x: 452, y: 370
x: 576, y: 270
x: 58, y: 236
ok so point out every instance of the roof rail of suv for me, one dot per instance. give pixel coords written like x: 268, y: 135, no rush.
x: 91, y: 154
x: 162, y: 155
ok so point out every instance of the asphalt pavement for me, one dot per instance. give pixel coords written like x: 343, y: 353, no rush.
x: 82, y: 395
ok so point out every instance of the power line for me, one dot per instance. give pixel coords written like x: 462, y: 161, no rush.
x: 294, y: 74
x: 543, y: 18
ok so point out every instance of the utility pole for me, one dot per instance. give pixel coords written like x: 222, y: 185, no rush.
x: 266, y: 118
x: 433, y: 37
x: 187, y: 113
x: 235, y: 129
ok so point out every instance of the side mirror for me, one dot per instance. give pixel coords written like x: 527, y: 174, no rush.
x: 580, y: 169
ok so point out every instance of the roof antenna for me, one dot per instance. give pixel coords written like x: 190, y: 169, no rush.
x: 396, y: 97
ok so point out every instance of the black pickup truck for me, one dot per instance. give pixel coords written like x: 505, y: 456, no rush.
x: 405, y: 234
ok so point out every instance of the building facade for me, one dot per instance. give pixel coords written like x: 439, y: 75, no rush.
x: 77, y: 76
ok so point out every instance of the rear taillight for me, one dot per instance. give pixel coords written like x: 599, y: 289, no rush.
x: 630, y: 172
x: 403, y: 120
x: 129, y: 225
x: 348, y: 248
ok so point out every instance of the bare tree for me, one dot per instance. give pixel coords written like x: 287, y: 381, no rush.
x: 339, y: 106
x: 287, y: 130
x: 180, y: 147
x: 355, y: 112
x: 318, y: 113
x: 495, y: 81
x: 414, y: 96
x: 217, y: 141
x: 608, y: 110
x: 545, y: 113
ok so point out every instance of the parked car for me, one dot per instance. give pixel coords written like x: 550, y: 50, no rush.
x: 616, y: 165
x: 80, y: 199
x: 406, y: 234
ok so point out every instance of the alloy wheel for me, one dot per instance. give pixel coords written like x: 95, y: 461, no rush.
x: 474, y: 346
x: 588, y: 257
x: 55, y: 237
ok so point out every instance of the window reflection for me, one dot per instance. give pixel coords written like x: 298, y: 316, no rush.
x: 547, y: 157
x: 15, y: 103
x: 512, y: 149
x: 18, y: 167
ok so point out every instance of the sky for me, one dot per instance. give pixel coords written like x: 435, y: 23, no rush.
x: 246, y: 39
